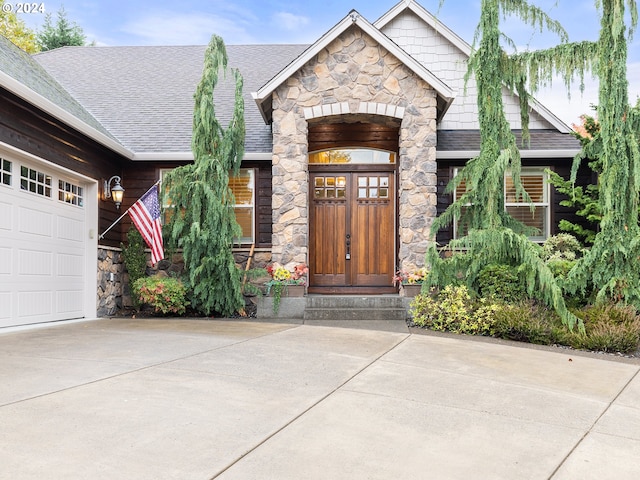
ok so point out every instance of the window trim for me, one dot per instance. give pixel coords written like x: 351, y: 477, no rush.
x: 252, y: 206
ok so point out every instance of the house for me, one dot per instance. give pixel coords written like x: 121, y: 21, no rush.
x: 350, y: 143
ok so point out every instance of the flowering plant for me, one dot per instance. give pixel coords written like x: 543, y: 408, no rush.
x: 416, y: 277
x: 280, y: 274
x: 281, y: 277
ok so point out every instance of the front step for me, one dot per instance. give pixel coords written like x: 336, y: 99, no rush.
x: 355, y: 307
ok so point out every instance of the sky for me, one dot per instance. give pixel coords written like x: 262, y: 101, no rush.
x: 192, y: 22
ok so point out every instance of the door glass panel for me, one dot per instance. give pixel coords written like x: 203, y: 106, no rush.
x: 368, y: 187
x: 330, y: 187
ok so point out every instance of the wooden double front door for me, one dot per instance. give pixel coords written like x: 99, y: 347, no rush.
x: 352, y: 231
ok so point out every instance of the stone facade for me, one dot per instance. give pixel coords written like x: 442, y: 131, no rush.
x: 110, y: 281
x: 354, y: 79
x: 114, y: 290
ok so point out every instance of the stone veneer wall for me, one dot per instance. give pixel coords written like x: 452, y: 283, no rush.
x: 356, y: 78
x: 109, y: 292
x: 114, y: 295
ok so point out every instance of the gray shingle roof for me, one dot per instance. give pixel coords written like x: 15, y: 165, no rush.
x: 144, y: 95
x: 469, y: 140
x: 22, y: 68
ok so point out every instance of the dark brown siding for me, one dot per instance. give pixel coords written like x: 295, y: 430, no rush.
x: 333, y: 135
x: 140, y: 176
x: 558, y: 212
x: 263, y: 202
x: 27, y: 128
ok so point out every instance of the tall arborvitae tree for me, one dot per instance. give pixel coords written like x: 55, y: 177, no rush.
x: 203, y: 223
x: 612, y: 266
x: 493, y: 235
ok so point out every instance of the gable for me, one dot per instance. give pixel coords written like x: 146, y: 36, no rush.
x: 445, y: 94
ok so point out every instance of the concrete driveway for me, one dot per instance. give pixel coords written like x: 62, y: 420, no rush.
x: 202, y: 399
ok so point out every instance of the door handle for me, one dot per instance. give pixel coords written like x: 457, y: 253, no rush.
x: 348, y: 256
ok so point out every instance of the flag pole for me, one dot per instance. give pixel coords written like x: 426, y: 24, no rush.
x: 101, y: 236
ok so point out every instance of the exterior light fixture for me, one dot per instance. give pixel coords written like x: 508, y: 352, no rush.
x: 116, y: 192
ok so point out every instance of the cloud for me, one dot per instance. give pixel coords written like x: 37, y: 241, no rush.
x: 166, y: 28
x: 289, y: 21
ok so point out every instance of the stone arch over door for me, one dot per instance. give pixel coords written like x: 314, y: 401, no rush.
x: 352, y: 79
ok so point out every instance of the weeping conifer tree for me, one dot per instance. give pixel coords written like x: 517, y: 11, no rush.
x: 493, y: 236
x: 612, y: 267
x: 203, y: 223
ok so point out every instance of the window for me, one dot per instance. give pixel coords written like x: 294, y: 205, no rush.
x: 70, y: 193
x: 5, y: 171
x: 352, y: 155
x: 243, y: 188
x: 35, y: 182
x: 534, y: 181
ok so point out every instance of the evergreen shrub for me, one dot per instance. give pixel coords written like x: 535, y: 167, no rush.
x: 135, y: 260
x: 502, y: 283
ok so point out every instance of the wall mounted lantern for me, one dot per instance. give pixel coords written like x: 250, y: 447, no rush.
x: 116, y: 192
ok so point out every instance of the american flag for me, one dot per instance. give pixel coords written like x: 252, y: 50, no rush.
x: 145, y: 214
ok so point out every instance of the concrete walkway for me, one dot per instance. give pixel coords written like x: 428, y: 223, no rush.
x: 197, y: 399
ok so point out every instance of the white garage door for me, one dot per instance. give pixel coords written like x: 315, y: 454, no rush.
x: 42, y: 249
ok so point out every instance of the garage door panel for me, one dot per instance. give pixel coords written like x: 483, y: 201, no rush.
x: 70, y: 229
x: 35, y: 303
x: 6, y: 303
x: 6, y: 261
x: 70, y: 302
x: 35, y: 263
x: 6, y: 216
x: 70, y: 265
x: 35, y: 222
